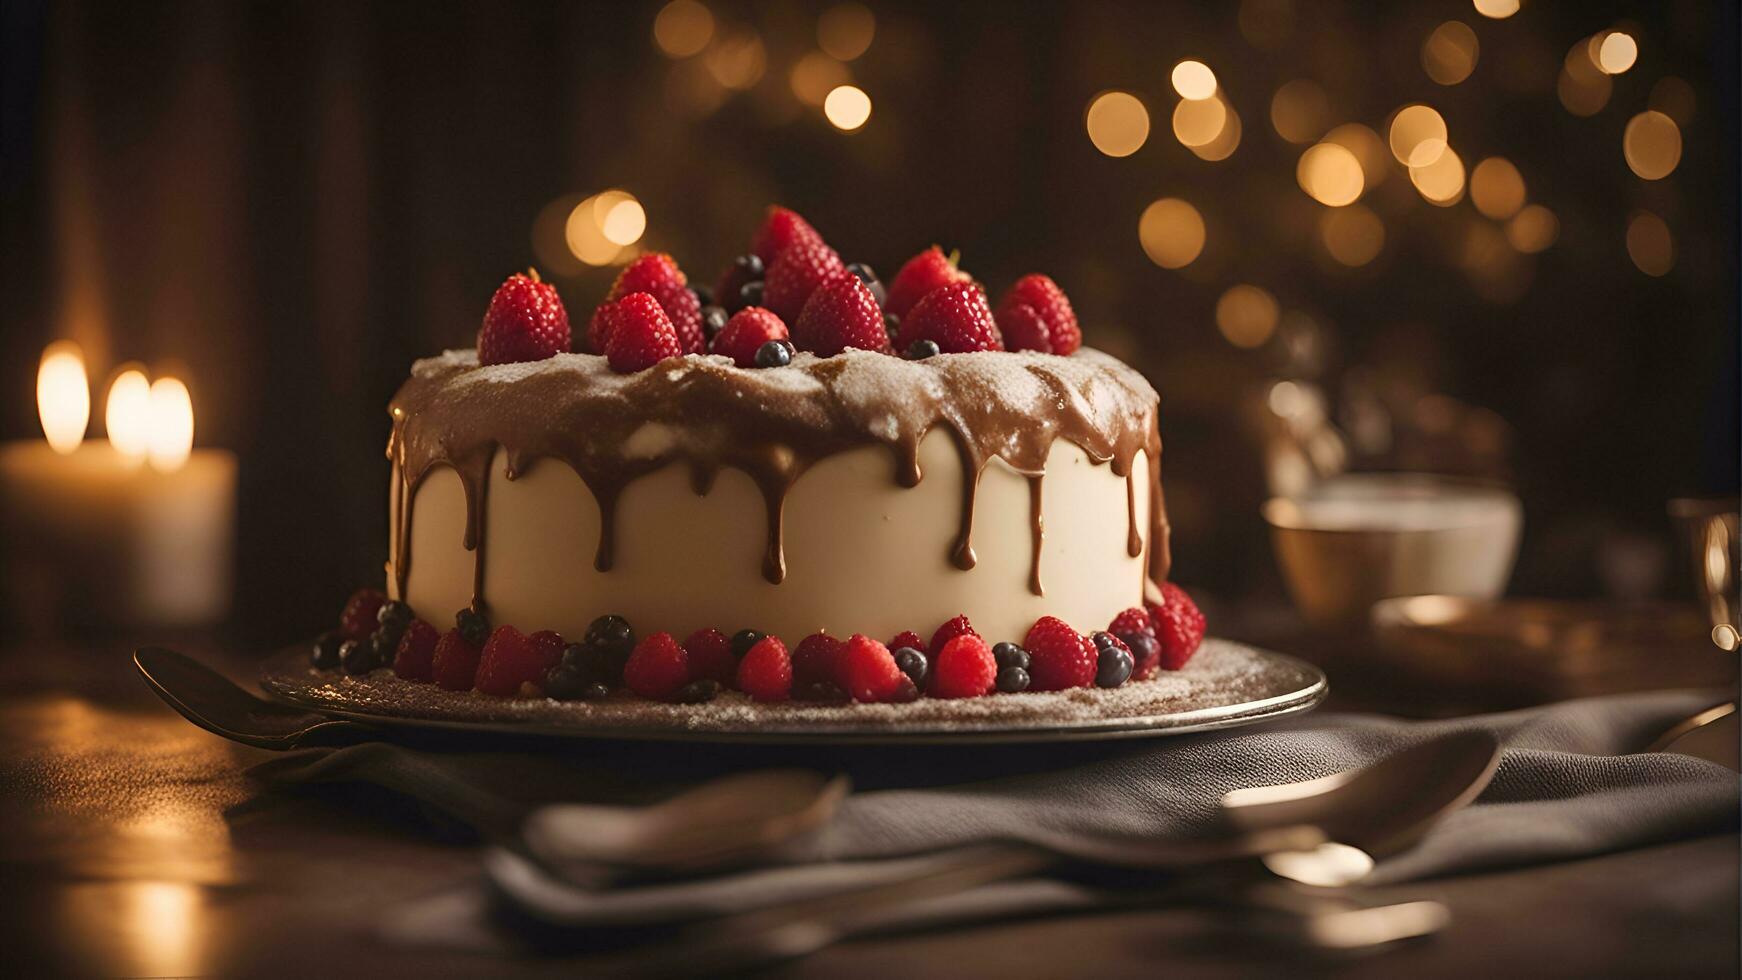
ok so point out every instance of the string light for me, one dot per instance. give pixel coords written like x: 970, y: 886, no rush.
x: 683, y: 28
x: 1615, y: 52
x: 1497, y: 9
x: 1117, y: 122
x: 1298, y: 111
x: 738, y: 60
x: 1418, y: 135
x: 1330, y: 174
x: 1533, y: 229
x: 847, y: 107
x: 815, y: 75
x: 1353, y: 235
x: 1583, y: 87
x: 1650, y: 244
x: 1194, y: 81
x: 1171, y: 232
x: 1197, y: 122
x: 1652, y: 144
x: 1449, y: 53
x: 1496, y: 188
x: 1246, y: 315
x: 846, y: 30
x: 1367, y: 147
x: 1225, y: 142
x: 1442, y: 181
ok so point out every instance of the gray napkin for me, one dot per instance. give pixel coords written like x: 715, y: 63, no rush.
x: 1566, y: 787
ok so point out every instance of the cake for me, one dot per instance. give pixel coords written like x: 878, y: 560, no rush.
x: 704, y: 470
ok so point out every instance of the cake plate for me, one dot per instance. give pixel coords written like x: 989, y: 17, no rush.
x: 1225, y: 685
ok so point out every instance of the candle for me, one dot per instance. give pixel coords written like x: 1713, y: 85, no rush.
x: 135, y: 530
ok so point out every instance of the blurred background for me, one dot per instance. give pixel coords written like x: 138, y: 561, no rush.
x: 1487, y: 239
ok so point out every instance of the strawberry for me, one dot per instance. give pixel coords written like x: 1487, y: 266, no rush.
x: 525, y: 322
x: 816, y: 658
x: 908, y: 638
x: 839, y: 315
x: 765, y: 673
x: 804, y: 265
x: 746, y: 332
x: 361, y: 613
x: 411, y: 661
x: 640, y: 335
x: 511, y: 658
x: 710, y: 653
x: 929, y: 270
x: 658, y: 668
x: 657, y: 275
x: 947, y: 632
x: 1179, y: 626
x: 964, y: 669
x: 1059, y: 657
x: 1048, y: 324
x: 454, y: 665
x: 955, y: 317
x: 870, y: 671
x: 780, y: 228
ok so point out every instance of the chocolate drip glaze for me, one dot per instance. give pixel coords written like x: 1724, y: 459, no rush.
x: 772, y: 424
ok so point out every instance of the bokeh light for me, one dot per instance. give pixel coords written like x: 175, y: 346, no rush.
x: 1652, y: 145
x: 1171, y: 232
x: 584, y: 231
x: 623, y: 221
x: 1246, y: 315
x: 1449, y: 53
x: 1650, y: 244
x: 1194, y: 80
x: 847, y: 107
x: 1299, y: 111
x: 1674, y: 98
x: 1497, y: 188
x: 63, y: 395
x: 1330, y: 174
x: 1368, y: 148
x: 1615, y: 52
x: 815, y: 75
x: 126, y: 414
x: 171, y: 432
x: 1226, y: 141
x: 1118, y: 123
x: 1583, y: 88
x: 846, y: 30
x: 1533, y: 229
x: 1442, y: 181
x: 1417, y: 135
x: 1353, y: 235
x: 738, y: 60
x: 683, y: 28
x: 1197, y: 122
x: 1497, y: 9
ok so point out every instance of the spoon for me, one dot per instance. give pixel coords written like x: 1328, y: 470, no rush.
x: 211, y: 701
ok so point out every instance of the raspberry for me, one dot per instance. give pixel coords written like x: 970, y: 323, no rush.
x: 710, y: 654
x: 657, y: 275
x: 746, y: 332
x: 511, y: 658
x: 1178, y: 625
x: 765, y: 673
x: 839, y: 315
x: 416, y: 648
x: 870, y: 671
x: 1059, y: 657
x: 908, y: 638
x: 361, y: 614
x: 525, y: 322
x: 965, y: 669
x: 640, y: 335
x: 929, y: 270
x: 956, y: 318
x: 817, y: 658
x: 1048, y: 308
x: 805, y: 265
x: 658, y: 668
x: 781, y: 228
x: 454, y: 666
x: 947, y: 632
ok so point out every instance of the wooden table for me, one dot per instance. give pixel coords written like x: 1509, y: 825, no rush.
x: 134, y: 845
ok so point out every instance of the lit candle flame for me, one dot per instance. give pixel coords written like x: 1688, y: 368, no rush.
x: 171, y: 430
x: 127, y: 415
x: 63, y: 396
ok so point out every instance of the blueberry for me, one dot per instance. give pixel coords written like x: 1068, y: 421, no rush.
x: 325, y: 653
x: 750, y: 294
x: 595, y: 692
x: 913, y: 664
x: 1102, y: 640
x: 698, y: 692
x: 1008, y: 654
x: 704, y: 295
x: 1143, y: 646
x: 750, y: 266
x: 827, y: 692
x: 743, y: 640
x: 773, y: 354
x: 394, y: 613
x: 592, y: 664
x: 1114, y: 667
x: 919, y: 350
x: 1012, y: 679
x: 473, y: 626
x: 907, y: 691
x: 565, y: 683
x: 611, y: 635
x: 714, y: 320
x: 863, y: 271
x: 574, y: 654
x: 359, y: 656
x: 892, y: 325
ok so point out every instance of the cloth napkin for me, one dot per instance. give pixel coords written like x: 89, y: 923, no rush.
x: 1572, y: 782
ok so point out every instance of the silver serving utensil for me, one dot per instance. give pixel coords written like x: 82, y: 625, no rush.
x: 211, y: 701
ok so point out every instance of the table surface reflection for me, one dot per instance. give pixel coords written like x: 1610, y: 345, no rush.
x: 134, y: 845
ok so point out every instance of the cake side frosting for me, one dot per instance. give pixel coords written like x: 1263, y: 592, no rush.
x: 703, y: 413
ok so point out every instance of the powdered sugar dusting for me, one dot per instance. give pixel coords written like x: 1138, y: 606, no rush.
x: 1225, y: 683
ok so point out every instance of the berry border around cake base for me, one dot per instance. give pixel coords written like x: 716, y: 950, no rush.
x: 1226, y: 685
